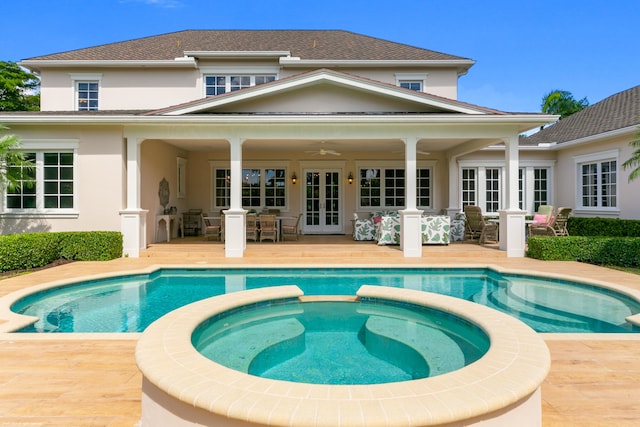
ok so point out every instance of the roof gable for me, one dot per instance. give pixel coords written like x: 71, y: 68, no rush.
x: 618, y: 111
x: 396, y: 99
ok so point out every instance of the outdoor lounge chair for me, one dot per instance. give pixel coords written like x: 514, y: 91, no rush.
x: 211, y: 230
x: 477, y: 228
x: 290, y: 231
x: 557, y: 226
x: 268, y: 229
x: 252, y: 227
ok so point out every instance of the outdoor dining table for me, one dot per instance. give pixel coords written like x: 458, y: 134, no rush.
x: 278, y: 222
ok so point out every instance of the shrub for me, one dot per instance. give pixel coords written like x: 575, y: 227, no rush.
x: 619, y: 251
x: 610, y: 227
x: 33, y: 250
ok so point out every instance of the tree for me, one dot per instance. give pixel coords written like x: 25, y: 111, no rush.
x: 19, y: 89
x: 562, y: 103
x: 15, y: 169
x: 634, y: 160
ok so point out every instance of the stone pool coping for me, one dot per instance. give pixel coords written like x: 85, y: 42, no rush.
x: 507, y: 379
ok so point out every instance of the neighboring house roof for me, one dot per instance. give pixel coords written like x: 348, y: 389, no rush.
x: 306, y: 44
x: 618, y: 111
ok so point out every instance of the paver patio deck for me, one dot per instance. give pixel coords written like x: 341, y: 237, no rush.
x: 88, y: 380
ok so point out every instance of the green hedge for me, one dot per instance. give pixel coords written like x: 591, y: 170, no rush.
x: 610, y: 227
x: 619, y: 251
x: 33, y: 250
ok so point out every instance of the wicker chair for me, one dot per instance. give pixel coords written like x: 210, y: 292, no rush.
x: 252, y: 227
x: 268, y: 230
x: 477, y: 228
x: 211, y: 230
x: 557, y: 226
x: 291, y: 231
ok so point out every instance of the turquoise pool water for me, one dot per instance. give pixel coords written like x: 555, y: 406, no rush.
x: 330, y: 342
x: 130, y: 303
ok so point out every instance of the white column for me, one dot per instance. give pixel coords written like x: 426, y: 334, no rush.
x: 133, y: 219
x: 454, y: 188
x: 512, y: 223
x: 234, y: 220
x: 410, y: 229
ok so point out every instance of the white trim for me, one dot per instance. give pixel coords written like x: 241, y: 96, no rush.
x: 594, y: 157
x: 105, y: 63
x: 49, y: 144
x: 181, y: 175
x: 412, y: 77
x: 237, y: 53
x: 86, y: 76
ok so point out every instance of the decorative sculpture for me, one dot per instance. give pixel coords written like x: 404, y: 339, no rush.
x: 163, y: 194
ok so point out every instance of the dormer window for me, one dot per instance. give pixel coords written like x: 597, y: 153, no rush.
x: 412, y: 81
x: 411, y: 84
x: 219, y: 84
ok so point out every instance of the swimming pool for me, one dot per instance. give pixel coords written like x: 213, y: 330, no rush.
x: 130, y: 303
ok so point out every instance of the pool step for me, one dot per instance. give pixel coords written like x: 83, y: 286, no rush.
x: 239, y: 349
x: 440, y: 352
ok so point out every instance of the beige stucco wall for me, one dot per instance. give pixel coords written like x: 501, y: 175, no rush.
x: 99, y: 179
x: 153, y: 88
x: 123, y: 89
x: 567, y: 175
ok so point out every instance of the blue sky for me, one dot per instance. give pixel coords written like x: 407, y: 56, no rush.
x: 523, y: 48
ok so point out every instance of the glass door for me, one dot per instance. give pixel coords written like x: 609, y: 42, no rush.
x: 323, y: 203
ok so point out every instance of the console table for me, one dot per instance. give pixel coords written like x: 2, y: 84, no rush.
x: 169, y: 221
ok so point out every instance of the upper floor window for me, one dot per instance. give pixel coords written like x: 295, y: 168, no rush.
x: 413, y: 81
x: 597, y: 181
x: 87, y: 95
x: 411, y: 84
x: 219, y: 84
x: 50, y: 186
x: 87, y: 90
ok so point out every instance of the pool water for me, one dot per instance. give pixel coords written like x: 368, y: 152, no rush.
x: 132, y: 302
x: 330, y: 342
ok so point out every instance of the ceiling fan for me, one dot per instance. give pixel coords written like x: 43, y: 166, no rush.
x: 323, y: 151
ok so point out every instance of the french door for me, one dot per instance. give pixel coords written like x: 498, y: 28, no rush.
x: 322, y: 201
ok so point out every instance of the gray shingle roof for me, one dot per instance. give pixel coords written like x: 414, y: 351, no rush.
x: 306, y: 44
x: 615, y: 112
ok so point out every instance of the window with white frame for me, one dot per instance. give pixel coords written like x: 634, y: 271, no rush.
x: 483, y: 185
x: 411, y: 84
x: 87, y: 95
x: 219, y: 84
x: 49, y: 187
x: 597, y: 181
x: 262, y: 187
x: 413, y: 81
x: 86, y: 91
x: 386, y: 187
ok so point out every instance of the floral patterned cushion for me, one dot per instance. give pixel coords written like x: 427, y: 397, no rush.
x: 363, y: 229
x: 434, y: 230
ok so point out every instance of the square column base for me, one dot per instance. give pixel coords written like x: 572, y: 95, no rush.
x: 235, y: 240
x: 512, y: 233
x: 133, y: 226
x: 411, y: 233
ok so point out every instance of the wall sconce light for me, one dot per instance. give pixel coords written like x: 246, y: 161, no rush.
x: 294, y: 178
x: 350, y: 178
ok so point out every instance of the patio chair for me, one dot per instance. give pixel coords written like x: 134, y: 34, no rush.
x: 557, y: 226
x: 252, y: 227
x: 477, y: 228
x: 543, y: 217
x: 211, y: 230
x: 290, y: 231
x: 268, y: 229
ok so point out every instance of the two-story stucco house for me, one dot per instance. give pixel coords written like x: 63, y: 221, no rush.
x: 229, y: 118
